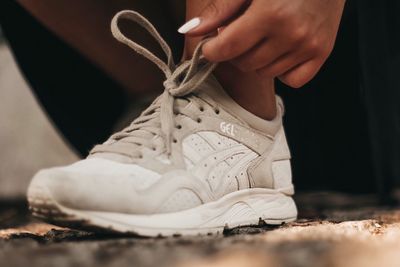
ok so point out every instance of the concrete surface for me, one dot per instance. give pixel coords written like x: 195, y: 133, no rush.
x: 28, y: 142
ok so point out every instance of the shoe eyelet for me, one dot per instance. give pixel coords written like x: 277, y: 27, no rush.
x: 201, y: 109
x: 175, y: 141
x: 140, y: 156
x: 178, y: 126
x: 198, y: 120
x: 154, y: 148
x: 216, y: 111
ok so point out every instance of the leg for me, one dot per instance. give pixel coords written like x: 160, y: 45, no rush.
x: 85, y: 26
x: 247, y: 89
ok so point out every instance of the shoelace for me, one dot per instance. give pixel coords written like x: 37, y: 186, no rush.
x: 180, y: 81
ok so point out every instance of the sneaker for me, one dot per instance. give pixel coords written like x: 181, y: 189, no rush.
x: 194, y: 162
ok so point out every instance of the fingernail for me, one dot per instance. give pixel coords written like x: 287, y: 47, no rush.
x: 190, y: 25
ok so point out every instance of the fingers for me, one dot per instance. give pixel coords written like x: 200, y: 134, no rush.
x: 236, y: 38
x: 301, y: 74
x: 284, y: 63
x: 260, y: 56
x: 281, y: 39
x: 213, y: 16
x: 294, y: 62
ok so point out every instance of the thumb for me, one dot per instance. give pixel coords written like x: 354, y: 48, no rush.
x: 213, y: 16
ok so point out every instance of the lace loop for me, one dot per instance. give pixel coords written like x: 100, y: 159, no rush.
x: 180, y: 80
x: 143, y: 22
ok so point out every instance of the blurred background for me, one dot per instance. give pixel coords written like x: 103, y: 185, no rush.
x: 28, y: 141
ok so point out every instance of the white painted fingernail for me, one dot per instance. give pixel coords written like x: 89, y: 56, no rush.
x: 190, y: 25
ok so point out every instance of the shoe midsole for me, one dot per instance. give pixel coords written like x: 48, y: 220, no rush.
x: 234, y: 209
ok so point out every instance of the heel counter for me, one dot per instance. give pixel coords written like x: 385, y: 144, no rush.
x: 273, y: 169
x: 281, y: 166
x: 282, y: 176
x: 280, y: 149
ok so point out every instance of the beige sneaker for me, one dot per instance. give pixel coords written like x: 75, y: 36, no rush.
x: 194, y: 162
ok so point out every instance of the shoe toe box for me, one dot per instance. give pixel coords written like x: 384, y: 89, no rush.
x: 93, y: 184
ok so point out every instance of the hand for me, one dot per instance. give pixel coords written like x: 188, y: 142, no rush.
x: 288, y: 39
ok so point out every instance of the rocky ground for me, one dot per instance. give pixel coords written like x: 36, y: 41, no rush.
x: 332, y: 230
x: 338, y: 231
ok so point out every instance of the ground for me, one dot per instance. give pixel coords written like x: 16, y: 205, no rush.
x: 333, y: 229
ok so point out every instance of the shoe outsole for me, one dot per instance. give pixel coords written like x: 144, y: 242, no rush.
x: 44, y: 207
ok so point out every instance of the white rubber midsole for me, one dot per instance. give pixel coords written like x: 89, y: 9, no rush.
x: 243, y: 207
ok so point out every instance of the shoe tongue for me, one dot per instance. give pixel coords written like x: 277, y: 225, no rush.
x: 214, y: 90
